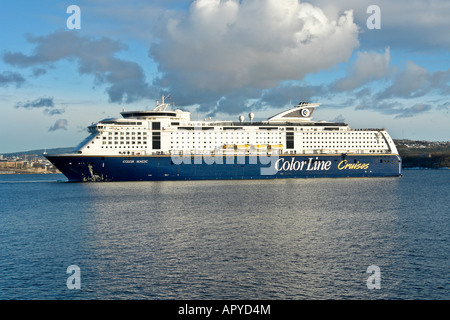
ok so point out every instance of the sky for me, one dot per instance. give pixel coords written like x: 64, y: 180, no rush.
x: 371, y: 64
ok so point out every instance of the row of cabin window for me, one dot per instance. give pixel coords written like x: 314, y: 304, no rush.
x: 226, y: 133
x: 344, y: 147
x: 222, y: 138
x: 127, y: 138
x: 127, y: 133
x: 339, y: 133
x: 340, y: 138
x: 348, y: 142
x: 356, y: 144
x: 122, y: 142
x: 247, y: 141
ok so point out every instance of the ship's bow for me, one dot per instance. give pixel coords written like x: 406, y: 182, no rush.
x: 66, y: 164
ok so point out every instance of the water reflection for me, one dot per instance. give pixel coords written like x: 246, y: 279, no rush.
x: 240, y: 239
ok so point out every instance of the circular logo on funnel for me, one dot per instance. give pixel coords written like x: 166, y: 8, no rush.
x: 305, y: 113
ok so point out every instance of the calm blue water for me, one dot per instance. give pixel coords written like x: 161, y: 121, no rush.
x: 285, y: 239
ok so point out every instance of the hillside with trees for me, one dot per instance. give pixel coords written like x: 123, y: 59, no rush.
x: 424, y: 154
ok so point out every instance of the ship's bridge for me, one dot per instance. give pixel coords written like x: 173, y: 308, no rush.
x: 162, y: 110
x: 147, y: 114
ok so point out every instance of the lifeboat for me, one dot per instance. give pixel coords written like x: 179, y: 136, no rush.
x: 276, y: 146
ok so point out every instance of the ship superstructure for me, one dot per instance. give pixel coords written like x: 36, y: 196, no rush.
x: 155, y: 141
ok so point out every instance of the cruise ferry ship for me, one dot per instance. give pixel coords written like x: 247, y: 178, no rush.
x: 165, y: 144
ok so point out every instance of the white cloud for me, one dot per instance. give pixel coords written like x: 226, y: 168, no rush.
x: 368, y: 66
x: 222, y: 46
x: 60, y: 124
x: 8, y: 77
x: 95, y: 56
x: 408, y: 82
x: 416, y: 81
x: 419, y: 24
x: 37, y: 103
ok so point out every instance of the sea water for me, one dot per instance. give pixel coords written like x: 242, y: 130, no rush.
x: 293, y: 239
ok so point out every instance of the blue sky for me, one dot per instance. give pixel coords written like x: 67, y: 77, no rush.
x: 222, y: 59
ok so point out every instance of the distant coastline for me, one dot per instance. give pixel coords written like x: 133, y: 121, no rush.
x: 416, y: 155
x: 29, y: 162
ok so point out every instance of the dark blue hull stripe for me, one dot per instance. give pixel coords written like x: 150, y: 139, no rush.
x: 147, y: 168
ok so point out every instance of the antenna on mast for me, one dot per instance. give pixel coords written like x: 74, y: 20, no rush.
x: 165, y: 97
